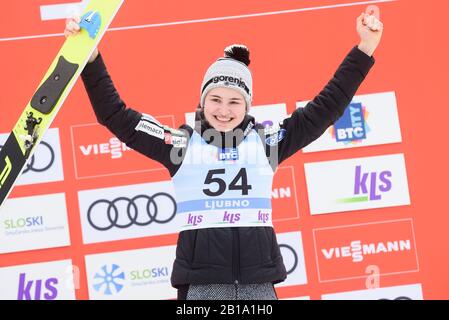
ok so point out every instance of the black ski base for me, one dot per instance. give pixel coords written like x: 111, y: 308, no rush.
x: 12, y: 161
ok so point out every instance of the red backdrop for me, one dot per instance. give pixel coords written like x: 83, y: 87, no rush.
x: 158, y: 70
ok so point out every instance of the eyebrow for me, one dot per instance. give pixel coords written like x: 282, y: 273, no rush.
x: 215, y: 96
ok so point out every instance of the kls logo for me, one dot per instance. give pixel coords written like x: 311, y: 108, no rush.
x: 369, y: 186
x: 37, y: 289
x: 115, y: 147
x: 356, y: 184
x: 357, y: 250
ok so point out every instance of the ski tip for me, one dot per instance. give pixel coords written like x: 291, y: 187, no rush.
x: 91, y: 22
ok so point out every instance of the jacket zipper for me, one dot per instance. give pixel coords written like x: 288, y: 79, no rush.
x: 235, y: 259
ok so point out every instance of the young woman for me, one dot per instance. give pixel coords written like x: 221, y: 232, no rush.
x: 222, y: 169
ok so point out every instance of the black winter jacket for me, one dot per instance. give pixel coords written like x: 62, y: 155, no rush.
x: 228, y: 255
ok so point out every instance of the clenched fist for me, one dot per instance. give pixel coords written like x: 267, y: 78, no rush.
x: 370, y: 31
x: 72, y: 28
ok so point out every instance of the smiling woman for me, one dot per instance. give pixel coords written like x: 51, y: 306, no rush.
x: 227, y: 247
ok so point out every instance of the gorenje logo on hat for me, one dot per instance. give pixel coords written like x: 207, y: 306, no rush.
x: 230, y: 81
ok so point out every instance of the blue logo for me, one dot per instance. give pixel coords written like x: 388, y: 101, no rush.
x: 276, y: 138
x: 351, y: 126
x: 111, y: 282
x: 228, y: 154
x: 91, y: 21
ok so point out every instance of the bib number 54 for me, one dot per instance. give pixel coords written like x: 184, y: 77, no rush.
x: 240, y: 182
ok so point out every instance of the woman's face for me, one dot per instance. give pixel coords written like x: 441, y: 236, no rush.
x: 224, y: 108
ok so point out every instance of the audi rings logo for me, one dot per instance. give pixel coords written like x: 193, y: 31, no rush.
x: 142, y: 210
x: 39, y: 165
x: 289, y: 251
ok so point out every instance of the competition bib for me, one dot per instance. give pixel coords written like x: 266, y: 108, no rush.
x: 228, y: 187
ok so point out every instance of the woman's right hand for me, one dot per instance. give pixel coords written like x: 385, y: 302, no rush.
x: 72, y: 28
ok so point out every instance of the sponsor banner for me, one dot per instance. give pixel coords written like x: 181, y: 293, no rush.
x: 137, y: 274
x: 98, y: 153
x: 406, y: 292
x: 368, y: 120
x: 127, y: 212
x: 356, y: 184
x: 45, y: 165
x: 39, y: 281
x: 284, y: 197
x: 297, y: 298
x: 292, y: 252
x: 32, y: 223
x: 349, y: 252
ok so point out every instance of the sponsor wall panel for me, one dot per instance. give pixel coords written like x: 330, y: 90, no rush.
x: 346, y: 252
x: 46, y: 163
x: 369, y: 120
x: 357, y: 184
x: 293, y: 255
x: 83, y: 163
x: 98, y: 153
x: 40, y: 281
x: 406, y: 292
x: 31, y: 223
x: 284, y: 195
x: 126, y: 212
x: 128, y: 275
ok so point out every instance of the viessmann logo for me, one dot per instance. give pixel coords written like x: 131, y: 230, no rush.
x: 357, y: 250
x: 346, y: 252
x: 98, y: 153
x: 114, y: 147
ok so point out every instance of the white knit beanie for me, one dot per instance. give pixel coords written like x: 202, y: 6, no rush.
x: 230, y: 71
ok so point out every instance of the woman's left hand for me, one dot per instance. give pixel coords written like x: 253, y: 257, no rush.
x: 370, y: 31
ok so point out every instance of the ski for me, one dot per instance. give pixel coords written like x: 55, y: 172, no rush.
x: 52, y: 91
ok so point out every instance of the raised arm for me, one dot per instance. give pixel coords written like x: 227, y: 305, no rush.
x: 140, y: 132
x: 309, y: 123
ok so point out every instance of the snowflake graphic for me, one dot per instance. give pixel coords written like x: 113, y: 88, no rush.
x: 109, y: 282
